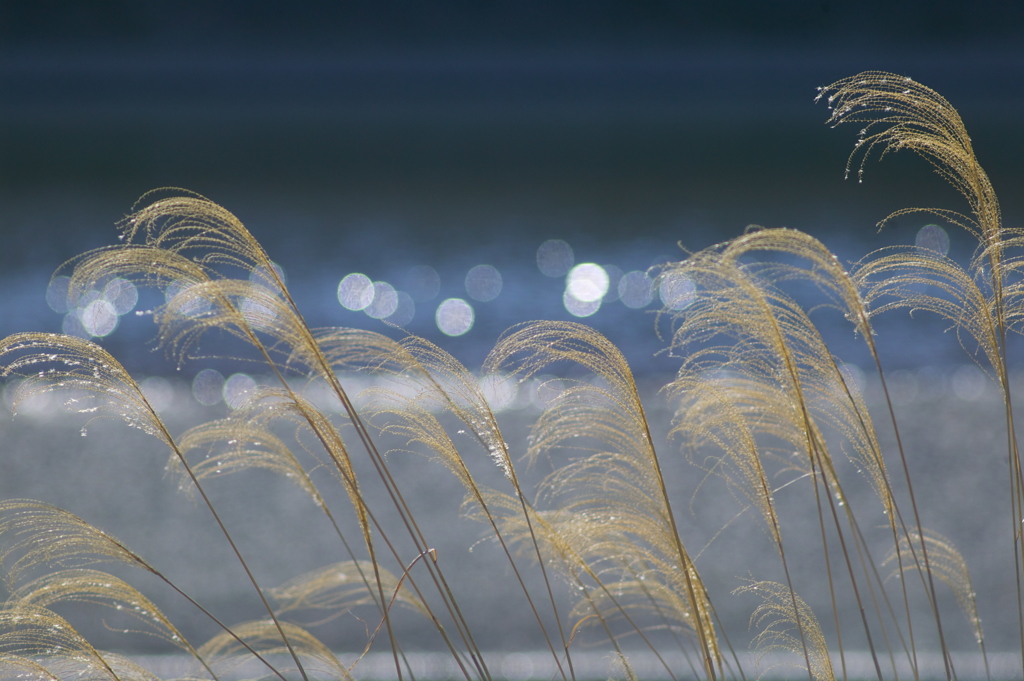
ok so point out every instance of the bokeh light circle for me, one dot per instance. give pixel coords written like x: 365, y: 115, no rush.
x: 355, y: 291
x: 614, y: 277
x: 189, y: 305
x: 932, y: 238
x: 422, y: 282
x: 483, y: 283
x: 587, y: 282
x: 554, y: 258
x: 121, y: 294
x: 57, y: 294
x: 261, y: 275
x: 238, y: 389
x: 580, y: 308
x: 208, y: 387
x: 384, y: 300
x: 99, y: 318
x: 454, y: 317
x: 635, y: 289
x: 405, y: 310
x: 676, y: 290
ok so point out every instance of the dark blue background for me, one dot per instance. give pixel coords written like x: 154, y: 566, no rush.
x: 376, y: 136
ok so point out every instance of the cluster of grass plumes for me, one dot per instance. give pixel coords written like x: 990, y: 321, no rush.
x: 759, y: 401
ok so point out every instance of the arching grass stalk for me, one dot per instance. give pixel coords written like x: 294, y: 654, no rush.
x: 899, y: 113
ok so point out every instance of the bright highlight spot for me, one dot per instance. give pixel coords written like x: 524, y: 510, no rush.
x: 587, y: 282
x: 580, y: 308
x: 554, y: 258
x: 99, y: 318
x: 483, y: 283
x: 355, y: 291
x: 454, y: 317
x: 96, y: 313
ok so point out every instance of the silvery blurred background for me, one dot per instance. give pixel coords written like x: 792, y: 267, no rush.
x: 454, y: 169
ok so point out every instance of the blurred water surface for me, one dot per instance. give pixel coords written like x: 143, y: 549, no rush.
x: 115, y: 477
x: 418, y: 173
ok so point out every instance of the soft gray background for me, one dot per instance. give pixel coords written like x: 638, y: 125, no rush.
x: 115, y: 478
